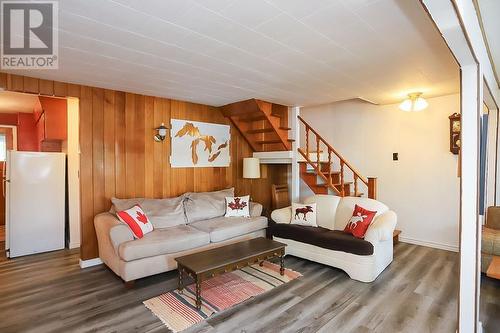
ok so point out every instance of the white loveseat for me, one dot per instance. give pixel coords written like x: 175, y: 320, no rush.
x: 362, y: 260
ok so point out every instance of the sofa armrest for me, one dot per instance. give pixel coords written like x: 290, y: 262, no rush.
x: 109, y: 228
x: 382, y: 228
x: 255, y: 209
x: 282, y: 215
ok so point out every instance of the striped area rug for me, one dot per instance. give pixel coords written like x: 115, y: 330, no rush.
x: 178, y: 311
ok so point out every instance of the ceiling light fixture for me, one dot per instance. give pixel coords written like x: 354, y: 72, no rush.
x: 415, y: 102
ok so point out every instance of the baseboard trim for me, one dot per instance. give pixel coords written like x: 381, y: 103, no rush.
x: 90, y: 262
x: 74, y: 245
x: 435, y: 245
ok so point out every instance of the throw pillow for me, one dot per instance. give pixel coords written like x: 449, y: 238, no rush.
x: 137, y: 221
x: 201, y: 206
x: 238, y: 206
x: 304, y: 214
x: 359, y: 222
x: 163, y: 213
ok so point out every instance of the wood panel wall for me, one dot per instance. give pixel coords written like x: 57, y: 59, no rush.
x: 120, y: 158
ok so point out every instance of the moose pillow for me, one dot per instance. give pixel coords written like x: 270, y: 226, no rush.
x: 304, y: 214
x: 137, y: 221
x: 359, y: 222
x: 238, y: 206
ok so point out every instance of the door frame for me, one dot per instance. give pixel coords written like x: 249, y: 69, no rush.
x: 73, y: 165
x: 14, y: 135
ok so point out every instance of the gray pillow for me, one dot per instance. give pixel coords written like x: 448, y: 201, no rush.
x: 206, y: 205
x: 162, y: 213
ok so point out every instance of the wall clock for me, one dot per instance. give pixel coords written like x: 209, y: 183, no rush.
x: 455, y: 133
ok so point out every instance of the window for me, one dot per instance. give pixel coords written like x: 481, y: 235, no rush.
x: 3, y: 148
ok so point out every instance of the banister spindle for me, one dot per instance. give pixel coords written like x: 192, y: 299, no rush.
x: 317, y: 154
x: 329, y: 167
x: 307, y: 142
x: 355, y: 184
x: 342, y: 191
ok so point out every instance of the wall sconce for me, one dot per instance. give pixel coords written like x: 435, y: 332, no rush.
x: 414, y: 102
x: 162, y: 133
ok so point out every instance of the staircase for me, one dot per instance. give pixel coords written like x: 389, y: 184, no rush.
x: 264, y: 125
x: 325, y: 171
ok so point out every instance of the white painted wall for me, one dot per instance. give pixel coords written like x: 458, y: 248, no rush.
x: 422, y: 187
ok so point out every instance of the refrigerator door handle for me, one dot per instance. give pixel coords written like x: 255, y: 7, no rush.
x: 4, y: 185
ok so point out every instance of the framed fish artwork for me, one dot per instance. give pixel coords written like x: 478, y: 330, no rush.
x: 197, y: 144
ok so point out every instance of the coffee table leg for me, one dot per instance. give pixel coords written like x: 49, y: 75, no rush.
x: 282, y: 264
x: 198, y: 293
x: 181, y: 286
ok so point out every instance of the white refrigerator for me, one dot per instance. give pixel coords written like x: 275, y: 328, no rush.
x: 34, y: 185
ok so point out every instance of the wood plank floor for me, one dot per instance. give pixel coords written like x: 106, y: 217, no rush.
x: 416, y: 293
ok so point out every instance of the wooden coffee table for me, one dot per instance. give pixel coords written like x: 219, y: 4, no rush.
x: 206, y: 264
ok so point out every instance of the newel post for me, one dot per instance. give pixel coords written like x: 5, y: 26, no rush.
x: 372, y: 187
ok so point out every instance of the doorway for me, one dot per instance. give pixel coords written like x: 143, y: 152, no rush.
x: 41, y: 128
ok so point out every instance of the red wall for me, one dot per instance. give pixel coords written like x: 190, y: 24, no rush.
x: 26, y: 130
x: 9, y: 119
x: 51, y: 126
x: 26, y: 133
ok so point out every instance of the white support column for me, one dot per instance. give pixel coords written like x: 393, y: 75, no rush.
x: 491, y: 153
x: 457, y: 21
x: 295, y: 176
x: 471, y: 103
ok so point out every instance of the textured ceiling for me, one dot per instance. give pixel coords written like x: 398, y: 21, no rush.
x: 294, y: 52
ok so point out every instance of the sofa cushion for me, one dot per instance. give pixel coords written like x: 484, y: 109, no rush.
x: 163, y: 241
x: 222, y: 228
x: 490, y: 241
x: 206, y: 205
x: 163, y: 213
x: 346, y: 207
x: 326, y: 206
x: 322, y: 237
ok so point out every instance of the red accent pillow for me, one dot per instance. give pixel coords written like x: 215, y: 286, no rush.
x: 137, y: 221
x: 359, y: 222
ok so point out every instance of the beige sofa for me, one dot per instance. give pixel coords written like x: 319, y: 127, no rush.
x: 187, y: 224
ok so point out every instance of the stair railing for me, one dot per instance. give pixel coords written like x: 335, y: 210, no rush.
x: 371, y: 182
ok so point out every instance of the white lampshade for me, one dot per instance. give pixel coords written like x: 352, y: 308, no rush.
x: 413, y: 103
x: 251, y: 167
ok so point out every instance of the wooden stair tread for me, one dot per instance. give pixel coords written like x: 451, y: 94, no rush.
x: 326, y: 185
x: 344, y: 183
x: 285, y: 128
x: 333, y: 172
x: 260, y: 130
x: 254, y: 118
x: 264, y: 142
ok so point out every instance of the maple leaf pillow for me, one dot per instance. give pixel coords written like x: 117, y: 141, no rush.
x: 304, y: 214
x: 238, y: 206
x: 359, y: 222
x: 137, y: 221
